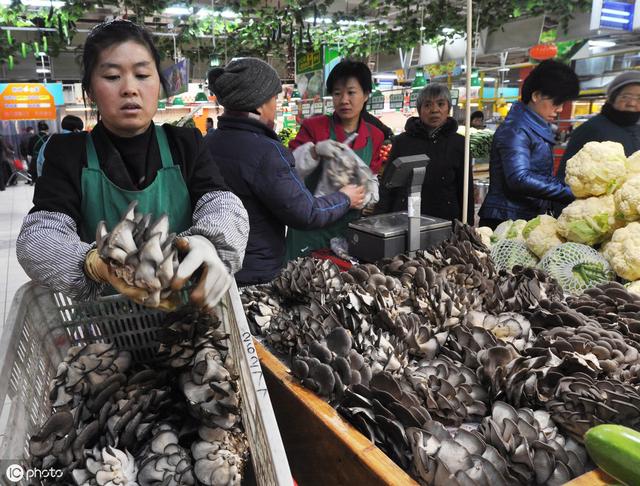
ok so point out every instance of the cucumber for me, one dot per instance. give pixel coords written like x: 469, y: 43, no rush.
x: 616, y: 450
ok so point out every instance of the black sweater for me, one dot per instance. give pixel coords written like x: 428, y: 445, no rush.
x: 444, y: 180
x: 130, y: 163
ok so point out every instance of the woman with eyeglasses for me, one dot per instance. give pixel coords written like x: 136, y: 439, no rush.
x: 522, y: 184
x: 617, y: 122
x: 93, y: 177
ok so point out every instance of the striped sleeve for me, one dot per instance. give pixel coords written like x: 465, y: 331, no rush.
x: 221, y: 217
x: 52, y: 254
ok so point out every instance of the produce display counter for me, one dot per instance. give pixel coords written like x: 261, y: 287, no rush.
x: 321, y: 447
x: 592, y: 478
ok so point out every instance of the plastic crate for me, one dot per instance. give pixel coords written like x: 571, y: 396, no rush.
x: 43, y: 325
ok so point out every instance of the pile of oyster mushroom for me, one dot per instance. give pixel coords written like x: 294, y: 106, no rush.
x: 460, y: 373
x: 175, y: 422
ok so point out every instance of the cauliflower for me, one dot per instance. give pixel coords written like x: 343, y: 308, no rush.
x: 589, y: 221
x: 633, y: 164
x: 634, y: 287
x: 623, y: 251
x: 485, y: 233
x: 509, y: 230
x: 540, y: 234
x: 597, y: 169
x: 627, y: 199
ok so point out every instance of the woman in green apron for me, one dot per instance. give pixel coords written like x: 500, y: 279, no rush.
x: 350, y: 86
x: 89, y: 177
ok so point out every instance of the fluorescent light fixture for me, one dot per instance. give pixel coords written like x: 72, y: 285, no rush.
x: 504, y: 70
x: 204, y: 12
x: 351, y: 22
x: 489, y: 79
x: 42, y: 3
x: 619, y: 13
x: 177, y: 10
x: 319, y: 20
x: 229, y: 14
x: 43, y: 70
x: 385, y: 76
x: 615, y: 20
x: 601, y: 43
x: 448, y: 30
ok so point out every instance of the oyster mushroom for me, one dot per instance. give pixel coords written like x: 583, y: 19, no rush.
x: 450, y: 391
x: 140, y: 252
x: 107, y: 467
x: 219, y: 458
x: 165, y: 461
x: 304, y: 278
x: 536, y: 451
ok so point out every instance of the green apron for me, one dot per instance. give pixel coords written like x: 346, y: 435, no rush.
x: 301, y: 243
x: 103, y: 200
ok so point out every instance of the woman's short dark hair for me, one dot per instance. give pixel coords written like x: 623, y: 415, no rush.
x: 350, y: 69
x: 110, y: 33
x: 433, y: 91
x: 553, y: 79
x: 477, y: 114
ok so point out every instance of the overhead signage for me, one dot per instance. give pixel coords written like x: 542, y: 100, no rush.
x: 27, y: 101
x: 309, y: 62
x: 615, y: 15
x: 376, y: 102
x: 396, y: 100
x: 177, y: 77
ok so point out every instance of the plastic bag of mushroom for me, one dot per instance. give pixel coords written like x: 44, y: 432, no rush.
x: 117, y: 422
x: 461, y: 373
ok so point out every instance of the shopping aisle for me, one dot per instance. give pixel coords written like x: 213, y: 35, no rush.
x: 15, y: 202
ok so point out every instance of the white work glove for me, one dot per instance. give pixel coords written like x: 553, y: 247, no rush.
x: 215, y: 279
x: 330, y: 149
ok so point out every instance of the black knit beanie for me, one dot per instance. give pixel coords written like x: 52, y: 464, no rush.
x: 244, y: 84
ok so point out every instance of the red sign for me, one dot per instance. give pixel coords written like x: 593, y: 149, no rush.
x: 542, y: 52
x: 27, y: 101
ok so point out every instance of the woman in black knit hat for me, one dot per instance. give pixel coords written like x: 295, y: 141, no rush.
x: 260, y: 170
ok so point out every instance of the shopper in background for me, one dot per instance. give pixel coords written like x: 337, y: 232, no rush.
x: 477, y: 120
x: 260, y: 170
x: 209, y: 125
x: 24, y: 142
x: 350, y: 85
x: 89, y: 177
x: 522, y: 184
x: 433, y: 133
x: 617, y: 122
x: 69, y: 124
x: 33, y: 148
x: 6, y: 155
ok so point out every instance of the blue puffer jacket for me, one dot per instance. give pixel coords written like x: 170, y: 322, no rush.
x: 522, y: 184
x: 260, y: 171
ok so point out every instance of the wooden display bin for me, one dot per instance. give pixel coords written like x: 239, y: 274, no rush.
x: 324, y: 449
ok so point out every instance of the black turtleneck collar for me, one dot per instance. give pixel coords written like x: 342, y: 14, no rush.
x: 415, y: 127
x: 622, y: 118
x: 131, y: 163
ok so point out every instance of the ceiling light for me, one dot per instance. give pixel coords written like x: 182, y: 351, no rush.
x: 619, y: 13
x: 489, y: 79
x: 615, y: 20
x: 177, y: 10
x: 385, y: 76
x: 351, y: 22
x: 601, y: 43
x: 504, y: 69
x: 204, y: 12
x: 43, y: 70
x: 319, y: 20
x: 229, y: 14
x: 42, y: 3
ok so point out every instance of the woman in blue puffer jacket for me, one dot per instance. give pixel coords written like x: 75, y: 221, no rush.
x: 522, y: 184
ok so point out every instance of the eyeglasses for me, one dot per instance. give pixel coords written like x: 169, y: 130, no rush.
x: 627, y: 98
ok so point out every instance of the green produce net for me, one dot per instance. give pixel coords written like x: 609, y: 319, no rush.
x: 506, y: 254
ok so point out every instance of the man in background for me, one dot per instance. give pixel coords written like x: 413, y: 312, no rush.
x: 69, y: 124
x: 209, y: 125
x: 33, y: 148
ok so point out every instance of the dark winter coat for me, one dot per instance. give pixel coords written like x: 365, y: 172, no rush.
x: 443, y: 185
x: 261, y: 172
x: 522, y: 184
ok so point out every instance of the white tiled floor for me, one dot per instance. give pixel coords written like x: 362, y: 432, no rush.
x: 15, y: 203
